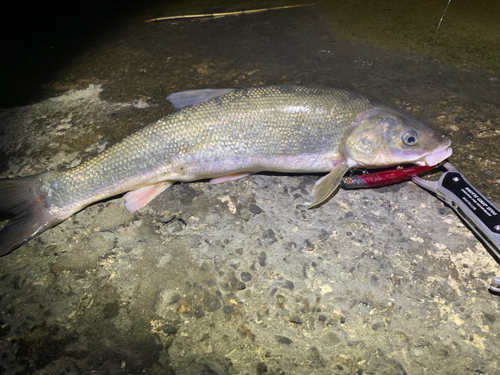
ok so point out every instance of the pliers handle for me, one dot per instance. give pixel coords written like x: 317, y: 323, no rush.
x: 473, y: 207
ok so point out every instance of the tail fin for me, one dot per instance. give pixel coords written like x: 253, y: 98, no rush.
x: 21, y: 197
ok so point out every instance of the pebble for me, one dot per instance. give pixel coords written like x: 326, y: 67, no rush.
x: 261, y: 368
x: 246, y: 276
x: 170, y: 330
x: 284, y: 340
x: 254, y: 209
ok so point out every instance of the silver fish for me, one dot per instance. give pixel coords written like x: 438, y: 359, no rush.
x: 225, y: 134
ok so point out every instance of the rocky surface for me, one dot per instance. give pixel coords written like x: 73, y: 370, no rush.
x: 241, y: 278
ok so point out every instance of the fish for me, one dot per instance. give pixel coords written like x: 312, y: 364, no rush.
x: 224, y: 135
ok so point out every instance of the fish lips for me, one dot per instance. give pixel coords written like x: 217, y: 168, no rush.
x: 437, y: 156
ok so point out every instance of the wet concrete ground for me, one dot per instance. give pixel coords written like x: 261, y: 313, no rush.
x: 240, y: 278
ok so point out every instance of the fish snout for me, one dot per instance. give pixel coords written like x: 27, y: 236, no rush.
x: 442, y: 152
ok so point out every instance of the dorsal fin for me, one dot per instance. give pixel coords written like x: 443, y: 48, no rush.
x: 183, y: 99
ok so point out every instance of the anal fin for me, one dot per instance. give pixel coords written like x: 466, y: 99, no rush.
x: 138, y: 198
x: 326, y: 185
x: 229, y: 177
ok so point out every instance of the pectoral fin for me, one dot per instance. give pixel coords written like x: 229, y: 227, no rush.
x: 326, y: 185
x: 136, y: 199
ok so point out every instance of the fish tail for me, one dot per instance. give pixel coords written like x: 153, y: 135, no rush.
x: 23, y: 200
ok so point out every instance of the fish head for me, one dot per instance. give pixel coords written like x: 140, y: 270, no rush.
x: 385, y: 137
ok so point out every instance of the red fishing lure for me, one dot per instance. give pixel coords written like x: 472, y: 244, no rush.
x: 383, y: 178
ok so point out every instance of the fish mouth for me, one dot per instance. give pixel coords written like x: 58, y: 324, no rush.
x: 437, y: 156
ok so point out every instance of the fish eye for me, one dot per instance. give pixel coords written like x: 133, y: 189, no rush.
x: 410, y: 138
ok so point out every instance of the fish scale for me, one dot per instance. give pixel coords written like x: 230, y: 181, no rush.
x: 243, y: 124
x: 223, y: 134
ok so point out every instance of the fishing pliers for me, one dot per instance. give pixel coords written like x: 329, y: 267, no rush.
x: 480, y: 215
